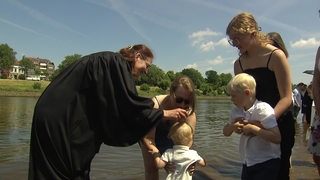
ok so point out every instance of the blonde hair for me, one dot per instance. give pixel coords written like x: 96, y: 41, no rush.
x: 244, y: 23
x: 241, y: 82
x: 181, y: 133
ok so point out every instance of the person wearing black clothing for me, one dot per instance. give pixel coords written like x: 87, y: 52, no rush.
x: 91, y: 102
x: 307, y: 101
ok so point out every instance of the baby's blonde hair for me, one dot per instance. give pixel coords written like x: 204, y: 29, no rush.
x: 241, y: 82
x: 181, y: 133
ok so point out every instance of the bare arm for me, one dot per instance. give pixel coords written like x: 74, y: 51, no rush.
x: 271, y: 135
x: 192, y: 121
x: 316, y: 83
x: 280, y: 66
x: 158, y: 161
x: 202, y: 162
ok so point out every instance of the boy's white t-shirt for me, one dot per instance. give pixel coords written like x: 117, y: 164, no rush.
x: 254, y: 149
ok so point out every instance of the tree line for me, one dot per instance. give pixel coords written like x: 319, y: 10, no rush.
x: 212, y: 84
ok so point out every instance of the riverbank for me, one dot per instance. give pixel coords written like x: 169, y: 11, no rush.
x: 21, y: 88
x: 24, y: 88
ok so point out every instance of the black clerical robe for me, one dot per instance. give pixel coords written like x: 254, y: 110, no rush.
x: 93, y: 101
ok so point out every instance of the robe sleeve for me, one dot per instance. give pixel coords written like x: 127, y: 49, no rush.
x: 118, y: 114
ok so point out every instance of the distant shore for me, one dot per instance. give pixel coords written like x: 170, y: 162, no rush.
x: 24, y: 88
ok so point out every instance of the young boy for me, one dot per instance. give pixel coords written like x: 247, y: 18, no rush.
x: 260, y: 137
x: 180, y: 155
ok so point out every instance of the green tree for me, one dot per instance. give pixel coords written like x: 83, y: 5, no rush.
x: 225, y: 78
x: 154, y: 76
x: 194, y: 75
x: 68, y: 60
x: 7, y: 57
x: 171, y: 75
x: 25, y: 65
x: 211, y: 77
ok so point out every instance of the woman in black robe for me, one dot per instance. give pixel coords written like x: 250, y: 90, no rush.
x: 91, y: 102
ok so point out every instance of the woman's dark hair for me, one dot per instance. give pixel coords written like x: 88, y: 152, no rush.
x: 129, y: 52
x: 278, y: 42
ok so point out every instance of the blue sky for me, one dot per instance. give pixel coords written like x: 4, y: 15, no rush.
x: 182, y: 33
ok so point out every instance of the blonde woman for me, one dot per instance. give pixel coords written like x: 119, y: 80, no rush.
x: 270, y: 68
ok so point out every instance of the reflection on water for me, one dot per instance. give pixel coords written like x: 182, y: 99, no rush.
x: 221, y: 153
x: 15, y: 123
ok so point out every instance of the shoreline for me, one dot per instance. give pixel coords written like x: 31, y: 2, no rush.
x: 38, y: 94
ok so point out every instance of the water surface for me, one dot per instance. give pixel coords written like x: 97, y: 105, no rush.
x: 220, y: 152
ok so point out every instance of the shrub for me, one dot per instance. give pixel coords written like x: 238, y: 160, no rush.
x: 144, y: 87
x: 36, y: 85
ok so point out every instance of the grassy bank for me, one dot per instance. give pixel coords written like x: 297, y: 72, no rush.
x: 24, y: 88
x: 9, y: 87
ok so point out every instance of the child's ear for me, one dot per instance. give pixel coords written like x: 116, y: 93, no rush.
x: 247, y: 92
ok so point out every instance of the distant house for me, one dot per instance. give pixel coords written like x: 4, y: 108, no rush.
x: 43, y: 69
x: 45, y: 66
x: 15, y: 71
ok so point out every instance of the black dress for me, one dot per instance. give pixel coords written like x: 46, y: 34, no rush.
x: 93, y: 101
x: 307, y: 106
x: 267, y: 91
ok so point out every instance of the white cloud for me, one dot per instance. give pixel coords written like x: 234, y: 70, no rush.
x: 194, y: 65
x: 203, y: 40
x: 311, y: 42
x: 207, y: 46
x: 200, y: 36
x: 215, y: 61
x: 203, y: 33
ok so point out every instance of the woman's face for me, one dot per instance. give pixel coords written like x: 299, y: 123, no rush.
x: 182, y: 98
x: 240, y: 41
x: 141, y: 65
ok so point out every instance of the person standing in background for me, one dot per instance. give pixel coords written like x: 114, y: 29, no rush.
x: 307, y: 101
x: 270, y: 68
x: 314, y: 140
x: 297, y: 100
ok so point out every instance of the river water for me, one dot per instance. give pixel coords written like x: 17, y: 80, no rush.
x: 220, y: 152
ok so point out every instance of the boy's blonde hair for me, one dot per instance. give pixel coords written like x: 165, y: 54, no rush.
x: 241, y: 82
x: 181, y: 133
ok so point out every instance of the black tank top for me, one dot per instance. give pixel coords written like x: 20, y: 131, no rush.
x: 267, y: 88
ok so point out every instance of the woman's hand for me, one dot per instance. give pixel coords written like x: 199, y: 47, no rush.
x: 191, y: 169
x: 170, y: 167
x: 175, y: 114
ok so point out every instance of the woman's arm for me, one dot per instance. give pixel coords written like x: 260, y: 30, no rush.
x: 158, y: 161
x: 280, y: 66
x: 272, y: 135
x: 192, y: 121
